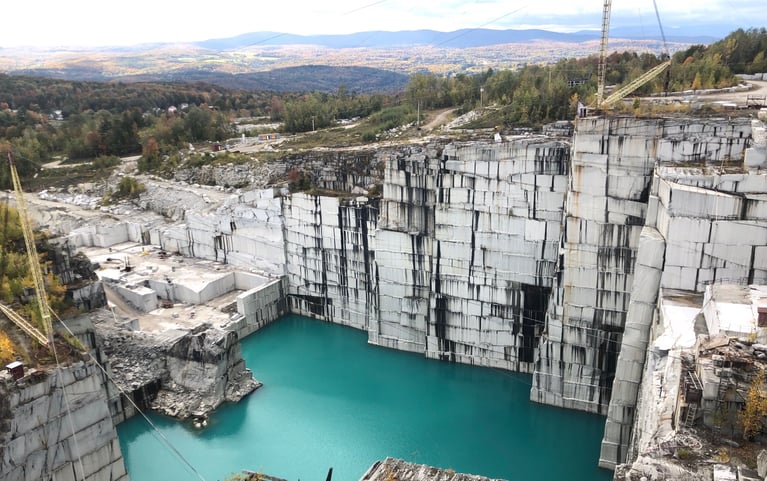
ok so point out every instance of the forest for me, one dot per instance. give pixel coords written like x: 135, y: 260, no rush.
x: 42, y: 118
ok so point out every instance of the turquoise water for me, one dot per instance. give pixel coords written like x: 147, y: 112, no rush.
x: 330, y: 399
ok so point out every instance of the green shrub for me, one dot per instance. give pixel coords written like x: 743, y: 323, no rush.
x: 128, y: 188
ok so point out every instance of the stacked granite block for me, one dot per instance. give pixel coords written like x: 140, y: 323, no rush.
x: 403, y: 246
x: 612, y: 166
x: 498, y: 217
x: 329, y: 262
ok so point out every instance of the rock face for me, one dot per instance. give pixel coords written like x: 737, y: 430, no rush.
x: 179, y: 373
x: 258, y: 307
x: 205, y: 368
x: 340, y: 170
x: 613, y: 164
x: 704, y: 224
x: 475, y: 231
x: 56, y: 425
x: 330, y: 263
x: 631, y: 360
x: 461, y: 261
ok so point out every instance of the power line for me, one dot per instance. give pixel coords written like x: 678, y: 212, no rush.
x: 472, y: 30
x: 364, y: 7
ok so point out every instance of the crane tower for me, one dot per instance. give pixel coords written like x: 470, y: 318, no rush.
x: 45, y: 337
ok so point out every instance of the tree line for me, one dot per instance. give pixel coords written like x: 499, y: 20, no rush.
x: 116, y: 119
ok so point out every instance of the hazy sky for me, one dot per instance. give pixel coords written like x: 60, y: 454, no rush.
x: 108, y: 23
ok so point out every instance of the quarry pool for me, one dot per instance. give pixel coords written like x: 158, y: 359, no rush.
x: 330, y: 399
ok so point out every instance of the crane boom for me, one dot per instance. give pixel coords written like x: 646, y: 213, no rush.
x: 635, y: 84
x: 24, y: 325
x: 34, y: 263
x: 602, y: 102
x: 603, y: 52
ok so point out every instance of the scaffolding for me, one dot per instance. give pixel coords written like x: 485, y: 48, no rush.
x: 692, y: 390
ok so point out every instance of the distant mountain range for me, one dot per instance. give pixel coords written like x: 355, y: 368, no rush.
x: 364, y: 62
x: 466, y: 38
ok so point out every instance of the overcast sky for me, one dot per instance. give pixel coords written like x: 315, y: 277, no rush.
x: 109, y: 23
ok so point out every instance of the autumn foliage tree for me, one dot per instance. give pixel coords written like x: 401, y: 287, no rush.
x: 7, y: 349
x: 755, y: 409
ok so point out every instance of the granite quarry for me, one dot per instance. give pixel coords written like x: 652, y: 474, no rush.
x: 622, y: 267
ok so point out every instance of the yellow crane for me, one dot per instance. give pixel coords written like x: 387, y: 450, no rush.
x: 46, y: 336
x: 603, y: 103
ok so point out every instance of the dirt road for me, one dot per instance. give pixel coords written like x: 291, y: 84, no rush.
x: 760, y: 89
x: 440, y: 118
x: 740, y: 97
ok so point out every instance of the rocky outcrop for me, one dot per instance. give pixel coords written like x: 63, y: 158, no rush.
x: 55, y: 424
x: 337, y: 170
x: 178, y: 373
x: 205, y: 368
x: 254, y: 174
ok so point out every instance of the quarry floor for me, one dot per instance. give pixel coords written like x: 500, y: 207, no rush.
x: 178, y: 316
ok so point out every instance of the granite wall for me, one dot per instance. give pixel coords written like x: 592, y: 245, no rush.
x: 460, y: 262
x: 613, y: 163
x: 56, y: 425
x: 705, y: 223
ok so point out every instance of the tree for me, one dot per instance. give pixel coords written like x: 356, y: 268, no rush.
x: 696, y: 83
x: 8, y: 349
x: 151, y: 150
x: 755, y: 409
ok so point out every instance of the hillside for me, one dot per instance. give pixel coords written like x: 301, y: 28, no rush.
x: 245, y: 61
x: 305, y: 78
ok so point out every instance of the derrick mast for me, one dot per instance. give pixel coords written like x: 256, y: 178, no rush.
x: 605, y: 103
x: 46, y: 336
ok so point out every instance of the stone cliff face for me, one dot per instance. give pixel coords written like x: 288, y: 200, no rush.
x: 514, y: 255
x: 706, y: 223
x: 56, y: 425
x: 613, y: 164
x: 205, y: 368
x: 180, y: 373
x: 460, y: 263
x: 466, y: 249
x: 330, y: 263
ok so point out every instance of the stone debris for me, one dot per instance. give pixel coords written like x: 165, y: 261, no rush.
x: 392, y: 469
